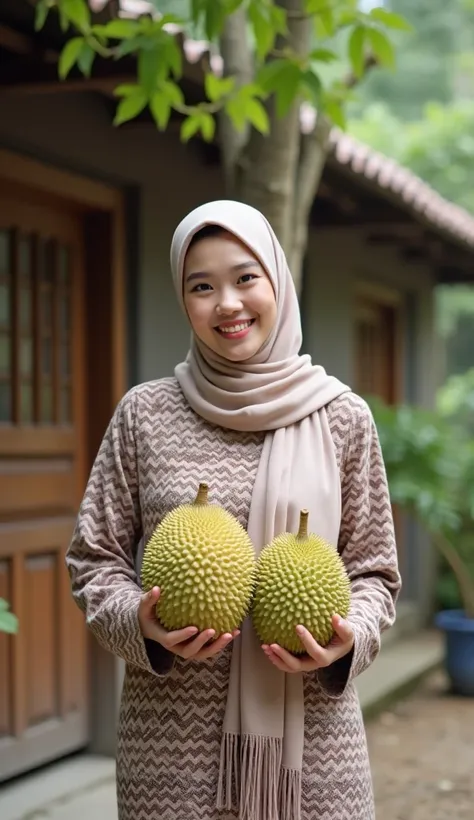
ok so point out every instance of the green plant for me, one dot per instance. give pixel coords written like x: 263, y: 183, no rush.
x: 430, y: 470
x: 8, y: 621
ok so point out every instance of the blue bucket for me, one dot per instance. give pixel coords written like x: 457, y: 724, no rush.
x: 459, y: 648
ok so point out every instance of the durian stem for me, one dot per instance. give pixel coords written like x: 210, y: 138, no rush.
x: 303, y: 530
x: 201, y: 497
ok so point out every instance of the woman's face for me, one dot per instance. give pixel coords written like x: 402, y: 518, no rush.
x: 228, y: 297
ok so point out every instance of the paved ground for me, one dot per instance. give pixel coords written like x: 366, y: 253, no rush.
x: 422, y: 754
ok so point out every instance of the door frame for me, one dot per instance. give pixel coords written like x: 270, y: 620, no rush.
x: 103, y: 209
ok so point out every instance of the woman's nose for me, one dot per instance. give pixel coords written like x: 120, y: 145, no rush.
x: 229, y: 302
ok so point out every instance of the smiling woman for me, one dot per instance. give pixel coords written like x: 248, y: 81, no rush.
x: 228, y: 295
x: 219, y: 726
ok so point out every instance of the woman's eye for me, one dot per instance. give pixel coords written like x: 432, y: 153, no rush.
x: 247, y: 277
x: 200, y: 288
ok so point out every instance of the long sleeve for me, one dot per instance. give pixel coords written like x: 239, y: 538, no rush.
x: 100, y: 558
x: 368, y: 548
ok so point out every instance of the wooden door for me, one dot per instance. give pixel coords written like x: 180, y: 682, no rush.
x: 43, y: 669
x: 378, y: 357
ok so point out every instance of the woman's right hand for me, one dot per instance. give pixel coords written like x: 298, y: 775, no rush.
x: 188, y: 643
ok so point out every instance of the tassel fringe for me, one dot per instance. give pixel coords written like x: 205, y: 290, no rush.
x: 250, y: 775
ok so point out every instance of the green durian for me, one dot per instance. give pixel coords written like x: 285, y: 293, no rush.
x: 301, y: 579
x: 204, y: 563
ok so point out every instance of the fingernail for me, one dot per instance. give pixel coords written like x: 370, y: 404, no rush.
x: 300, y: 629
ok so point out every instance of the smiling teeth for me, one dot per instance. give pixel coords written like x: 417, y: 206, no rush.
x: 235, y: 328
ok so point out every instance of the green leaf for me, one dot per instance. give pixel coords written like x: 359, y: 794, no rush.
x: 263, y: 29
x: 160, y: 107
x: 218, y: 87
x: 236, y: 110
x: 41, y: 14
x: 278, y: 18
x: 173, y: 93
x: 312, y: 83
x: 86, y: 59
x: 335, y: 112
x: 323, y: 55
x: 127, y: 47
x: 268, y: 77
x: 70, y: 55
x: 390, y: 19
x: 151, y: 68
x: 131, y: 106
x: 190, y: 127
x: 173, y: 57
x: 125, y: 90
x: 78, y: 13
x: 287, y: 88
x: 356, y: 50
x: 120, y: 29
x: 324, y: 24
x: 215, y: 18
x: 382, y: 47
x: 207, y: 126
x: 8, y: 623
x: 257, y: 115
x: 4, y: 605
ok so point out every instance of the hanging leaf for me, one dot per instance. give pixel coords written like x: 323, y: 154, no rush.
x: 207, y: 126
x: 69, y: 56
x: 190, y: 127
x: 390, y: 19
x: 131, y: 106
x: 160, y: 108
x: 78, y: 13
x: 268, y: 77
x: 287, y: 88
x: 173, y: 93
x: 217, y: 87
x: 86, y: 59
x: 356, y: 50
x: 41, y: 14
x: 263, y: 29
x: 312, y: 84
x: 257, y: 115
x: 120, y: 29
x: 151, y: 68
x: 126, y: 90
x: 323, y: 55
x: 382, y: 47
x: 334, y: 110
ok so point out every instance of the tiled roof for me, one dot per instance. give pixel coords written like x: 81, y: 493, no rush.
x: 384, y: 175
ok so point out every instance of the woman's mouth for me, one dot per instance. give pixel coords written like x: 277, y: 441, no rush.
x: 237, y: 330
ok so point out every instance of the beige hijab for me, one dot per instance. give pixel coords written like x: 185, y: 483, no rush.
x: 282, y: 393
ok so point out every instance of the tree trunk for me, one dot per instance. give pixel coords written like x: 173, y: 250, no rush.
x: 267, y: 166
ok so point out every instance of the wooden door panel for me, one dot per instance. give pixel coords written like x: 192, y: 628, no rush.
x: 43, y: 677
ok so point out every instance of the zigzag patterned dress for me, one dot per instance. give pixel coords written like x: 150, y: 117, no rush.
x: 153, y: 454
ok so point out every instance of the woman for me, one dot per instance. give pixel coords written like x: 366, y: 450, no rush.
x: 221, y: 729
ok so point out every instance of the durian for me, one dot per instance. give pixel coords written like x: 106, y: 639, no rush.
x: 300, y: 580
x: 204, y: 563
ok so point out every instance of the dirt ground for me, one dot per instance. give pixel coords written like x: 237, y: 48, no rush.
x: 422, y: 756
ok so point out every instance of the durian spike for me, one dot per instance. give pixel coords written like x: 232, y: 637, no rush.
x: 303, y: 530
x: 201, y: 497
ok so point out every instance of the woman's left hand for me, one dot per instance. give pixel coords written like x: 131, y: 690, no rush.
x: 317, y: 656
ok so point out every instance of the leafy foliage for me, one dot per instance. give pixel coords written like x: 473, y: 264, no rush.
x: 279, y: 71
x: 429, y: 457
x: 8, y: 621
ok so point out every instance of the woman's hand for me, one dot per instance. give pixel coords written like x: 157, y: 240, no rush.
x: 187, y: 643
x: 317, y: 656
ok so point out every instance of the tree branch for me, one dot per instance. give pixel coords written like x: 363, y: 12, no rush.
x: 312, y: 159
x: 238, y: 62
